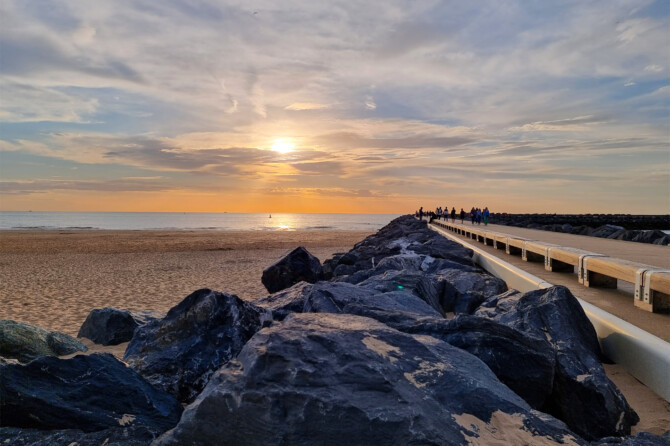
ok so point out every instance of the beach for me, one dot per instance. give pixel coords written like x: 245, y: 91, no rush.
x: 54, y: 278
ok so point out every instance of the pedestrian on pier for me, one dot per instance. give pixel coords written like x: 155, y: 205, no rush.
x: 453, y: 215
x: 486, y: 214
x: 473, y: 214
x: 421, y: 213
x: 462, y: 215
x: 478, y: 216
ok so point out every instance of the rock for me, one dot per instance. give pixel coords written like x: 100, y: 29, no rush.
x: 113, y: 436
x: 583, y: 396
x: 639, y: 439
x: 649, y: 236
x: 523, y: 362
x: 663, y: 241
x: 178, y: 353
x: 111, y: 326
x: 465, y: 290
x: 298, y: 265
x: 328, y: 297
x: 403, y: 236
x: 334, y: 379
x: 428, y: 287
x: 26, y: 342
x: 86, y: 392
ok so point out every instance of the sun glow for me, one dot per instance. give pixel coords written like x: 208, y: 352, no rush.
x: 283, y: 146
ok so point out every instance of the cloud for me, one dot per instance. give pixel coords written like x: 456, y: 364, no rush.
x: 653, y: 68
x: 26, y: 103
x: 354, y: 140
x: 305, y: 106
x: 120, y: 185
x: 568, y: 124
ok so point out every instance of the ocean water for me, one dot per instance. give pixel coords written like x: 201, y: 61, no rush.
x: 191, y: 221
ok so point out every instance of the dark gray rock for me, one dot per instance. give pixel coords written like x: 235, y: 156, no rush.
x: 328, y: 297
x: 297, y: 266
x: 582, y: 396
x: 605, y: 231
x: 178, y: 353
x: 113, y: 436
x: 331, y: 379
x: 25, y: 342
x: 428, y: 287
x: 639, y: 439
x: 523, y: 362
x: 465, y: 290
x: 407, y: 262
x: 111, y: 326
x: 86, y: 392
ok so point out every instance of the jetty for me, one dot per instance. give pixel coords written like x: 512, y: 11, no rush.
x: 620, y: 284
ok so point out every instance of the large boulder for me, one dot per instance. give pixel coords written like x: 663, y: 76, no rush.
x: 464, y: 291
x: 328, y: 297
x: 428, y: 287
x: 25, y: 342
x: 111, y: 326
x: 341, y: 379
x: 582, y: 396
x: 523, y: 362
x: 297, y: 266
x: 86, y: 392
x: 178, y: 353
x: 113, y: 436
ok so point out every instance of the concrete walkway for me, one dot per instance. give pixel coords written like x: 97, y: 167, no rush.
x: 618, y: 302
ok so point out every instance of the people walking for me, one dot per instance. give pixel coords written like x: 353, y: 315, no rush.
x: 473, y: 214
x: 462, y: 215
x: 478, y: 216
x: 453, y: 214
x: 486, y: 214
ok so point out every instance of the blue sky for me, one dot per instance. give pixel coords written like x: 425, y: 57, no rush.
x: 340, y: 106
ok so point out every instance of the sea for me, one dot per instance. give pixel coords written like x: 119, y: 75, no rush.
x: 191, y: 221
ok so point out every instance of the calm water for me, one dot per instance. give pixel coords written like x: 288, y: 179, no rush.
x: 199, y: 221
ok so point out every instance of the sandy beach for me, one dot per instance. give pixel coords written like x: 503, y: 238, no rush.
x: 53, y: 279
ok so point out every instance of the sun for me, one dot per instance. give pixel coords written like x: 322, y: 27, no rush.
x: 283, y: 146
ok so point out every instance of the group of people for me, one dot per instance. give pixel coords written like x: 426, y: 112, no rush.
x: 476, y: 214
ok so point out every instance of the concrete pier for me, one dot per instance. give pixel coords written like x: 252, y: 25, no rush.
x: 626, y: 279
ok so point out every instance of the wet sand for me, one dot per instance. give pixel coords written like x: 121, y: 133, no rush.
x: 53, y: 279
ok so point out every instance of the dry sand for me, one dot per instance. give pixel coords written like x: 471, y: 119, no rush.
x: 53, y: 279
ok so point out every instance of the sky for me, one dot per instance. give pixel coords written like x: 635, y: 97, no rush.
x: 338, y: 106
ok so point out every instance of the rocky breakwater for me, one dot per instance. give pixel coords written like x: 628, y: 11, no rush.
x: 402, y: 340
x: 635, y: 228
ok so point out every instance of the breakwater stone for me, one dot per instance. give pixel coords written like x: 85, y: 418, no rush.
x: 297, y: 266
x: 112, y: 326
x: 25, y: 342
x: 178, y: 353
x: 86, y: 392
x: 582, y: 395
x: 337, y: 378
x: 636, y: 228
